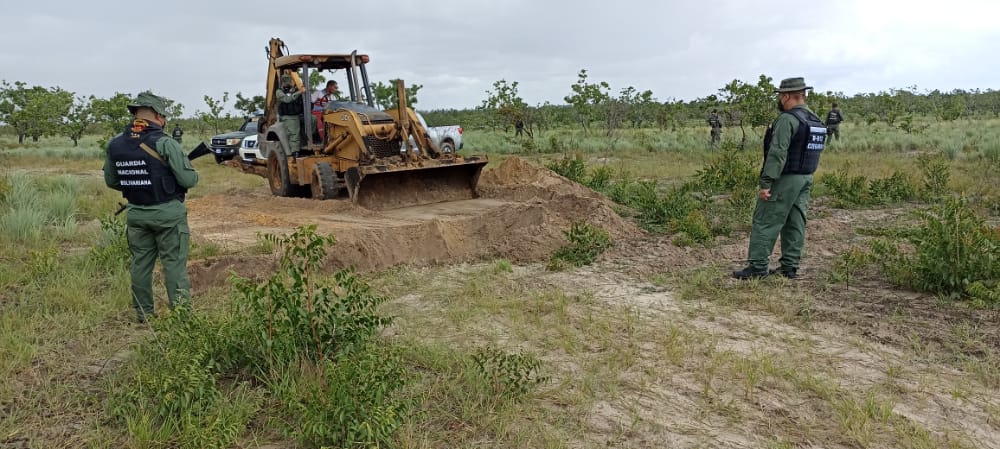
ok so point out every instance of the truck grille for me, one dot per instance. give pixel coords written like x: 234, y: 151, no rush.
x: 382, y: 148
x: 218, y: 142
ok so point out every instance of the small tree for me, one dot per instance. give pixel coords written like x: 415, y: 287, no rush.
x: 214, y: 115
x: 504, y: 105
x: 249, y: 106
x: 750, y: 105
x: 112, y: 113
x: 80, y: 116
x: 587, y: 99
x: 386, y: 98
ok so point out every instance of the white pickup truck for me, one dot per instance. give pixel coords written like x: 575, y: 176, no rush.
x: 447, y: 138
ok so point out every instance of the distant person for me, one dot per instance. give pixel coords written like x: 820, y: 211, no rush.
x: 833, y: 119
x: 178, y: 133
x: 792, y: 148
x: 323, y: 96
x: 518, y: 128
x: 290, y: 112
x: 716, y: 123
x: 153, y: 175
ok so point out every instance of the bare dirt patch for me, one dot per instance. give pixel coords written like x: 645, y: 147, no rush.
x: 520, y: 215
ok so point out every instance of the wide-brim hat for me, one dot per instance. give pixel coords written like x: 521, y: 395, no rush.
x: 792, y: 85
x: 148, y: 100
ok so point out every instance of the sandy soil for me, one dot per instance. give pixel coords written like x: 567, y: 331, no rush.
x: 520, y: 215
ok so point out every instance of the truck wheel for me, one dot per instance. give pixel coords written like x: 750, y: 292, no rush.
x: 448, y: 147
x: 277, y: 173
x: 324, y: 182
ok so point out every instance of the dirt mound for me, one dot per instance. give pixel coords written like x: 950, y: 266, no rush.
x: 517, y: 180
x: 520, y: 216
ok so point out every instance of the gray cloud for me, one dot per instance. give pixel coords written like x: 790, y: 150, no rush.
x: 457, y: 49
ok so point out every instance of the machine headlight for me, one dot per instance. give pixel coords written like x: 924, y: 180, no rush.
x: 235, y: 141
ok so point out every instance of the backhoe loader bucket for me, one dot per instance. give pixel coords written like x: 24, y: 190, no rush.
x: 381, y: 187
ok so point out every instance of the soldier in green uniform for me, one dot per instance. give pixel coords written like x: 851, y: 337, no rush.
x: 178, y: 133
x: 153, y: 174
x: 290, y: 112
x: 716, y: 123
x: 792, y: 148
x: 833, y: 119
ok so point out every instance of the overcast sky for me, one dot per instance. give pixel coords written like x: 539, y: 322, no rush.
x: 457, y: 48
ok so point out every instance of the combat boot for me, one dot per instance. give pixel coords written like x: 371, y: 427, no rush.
x: 787, y: 272
x: 750, y: 273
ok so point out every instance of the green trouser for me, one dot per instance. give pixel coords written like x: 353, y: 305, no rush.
x: 159, y: 231
x: 833, y: 132
x: 784, y: 214
x: 293, y: 126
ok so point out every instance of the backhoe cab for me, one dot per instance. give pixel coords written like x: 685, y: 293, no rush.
x: 379, y: 159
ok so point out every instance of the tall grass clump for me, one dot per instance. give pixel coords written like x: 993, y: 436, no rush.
x: 31, y: 207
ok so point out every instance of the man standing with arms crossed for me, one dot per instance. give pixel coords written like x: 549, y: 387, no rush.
x: 792, y: 148
x: 153, y: 174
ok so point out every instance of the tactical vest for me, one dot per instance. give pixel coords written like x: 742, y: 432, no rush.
x: 714, y: 122
x: 293, y: 108
x: 144, y: 180
x: 178, y: 132
x: 806, y: 145
x: 833, y: 117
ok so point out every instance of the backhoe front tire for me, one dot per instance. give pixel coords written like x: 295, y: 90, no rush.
x: 324, y: 183
x: 277, y: 173
x: 447, y: 147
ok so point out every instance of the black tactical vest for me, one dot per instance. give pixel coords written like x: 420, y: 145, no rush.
x: 144, y: 180
x: 806, y: 145
x: 293, y: 108
x: 833, y: 117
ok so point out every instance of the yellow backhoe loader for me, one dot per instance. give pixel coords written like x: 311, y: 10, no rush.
x: 378, y: 158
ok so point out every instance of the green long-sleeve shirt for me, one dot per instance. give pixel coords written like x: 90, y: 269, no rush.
x: 289, y: 97
x: 785, y: 127
x: 173, y: 155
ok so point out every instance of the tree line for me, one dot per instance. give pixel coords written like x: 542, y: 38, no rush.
x: 32, y: 112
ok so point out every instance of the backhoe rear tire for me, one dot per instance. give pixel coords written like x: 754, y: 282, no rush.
x: 277, y: 173
x: 324, y: 182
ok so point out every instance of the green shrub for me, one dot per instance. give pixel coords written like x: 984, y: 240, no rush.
x: 893, y: 189
x: 954, y: 250
x: 570, y: 167
x: 600, y: 178
x: 935, y: 173
x: 296, y: 317
x: 350, y: 402
x: 508, y: 376
x: 692, y: 228
x: 731, y: 170
x: 111, y: 250
x: 304, y: 344
x: 586, y: 242
x: 172, y: 388
x: 853, y: 191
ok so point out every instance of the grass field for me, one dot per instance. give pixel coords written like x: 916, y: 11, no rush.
x: 653, y: 345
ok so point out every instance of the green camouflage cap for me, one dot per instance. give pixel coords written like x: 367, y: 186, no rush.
x: 285, y: 79
x: 792, y: 85
x: 148, y: 100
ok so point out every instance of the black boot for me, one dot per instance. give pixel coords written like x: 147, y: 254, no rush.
x: 787, y: 272
x: 750, y: 273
